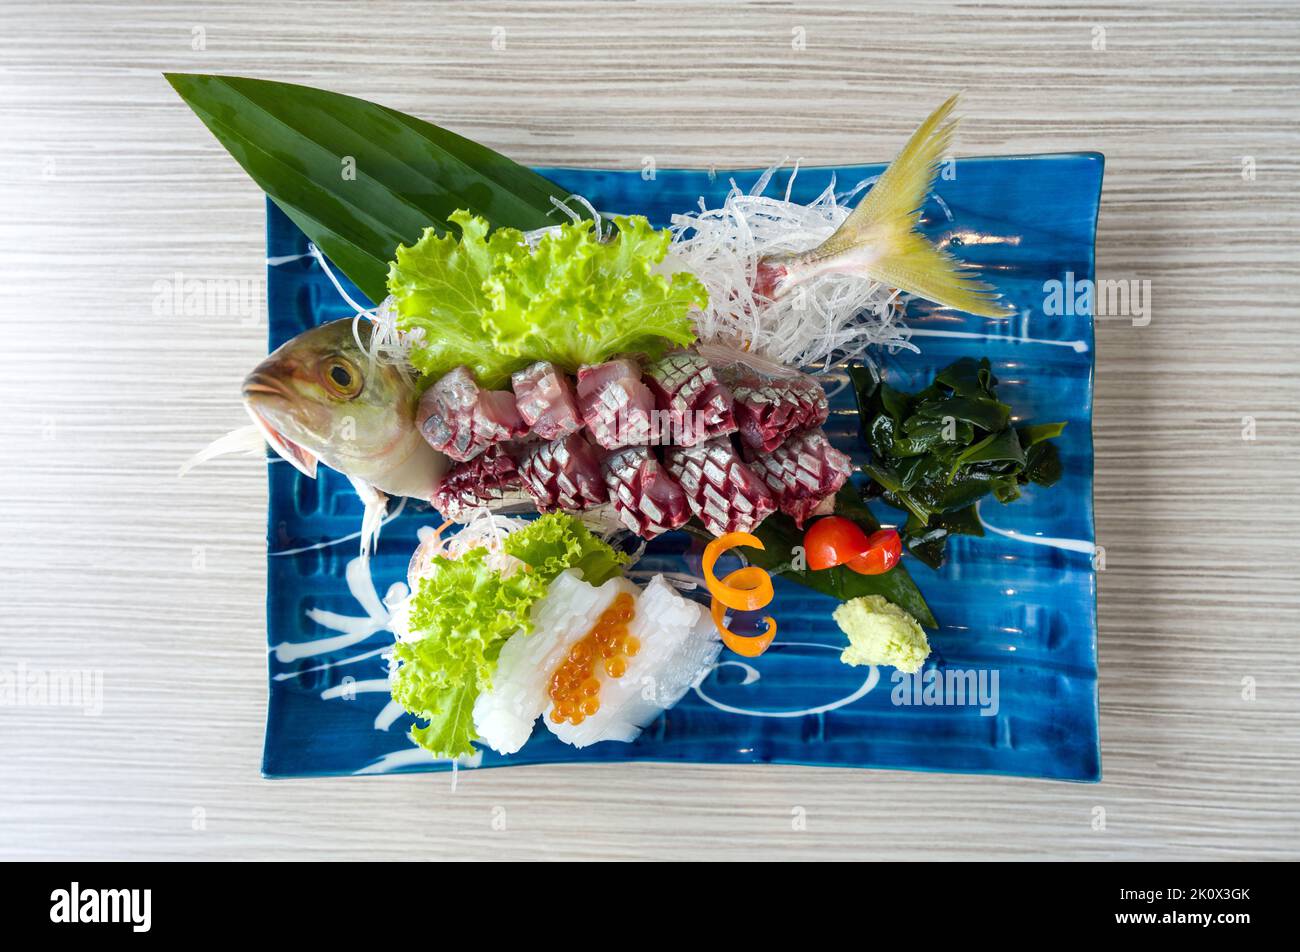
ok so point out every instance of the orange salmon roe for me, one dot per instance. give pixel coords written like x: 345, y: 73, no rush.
x: 574, y: 687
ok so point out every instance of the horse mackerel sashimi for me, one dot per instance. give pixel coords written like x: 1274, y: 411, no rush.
x: 312, y: 390
x: 660, y: 437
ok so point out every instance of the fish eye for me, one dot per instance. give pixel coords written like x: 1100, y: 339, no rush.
x: 342, y: 377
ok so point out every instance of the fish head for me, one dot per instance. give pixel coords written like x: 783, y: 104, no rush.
x: 320, y: 397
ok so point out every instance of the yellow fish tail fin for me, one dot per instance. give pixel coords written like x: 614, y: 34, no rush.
x: 884, y: 227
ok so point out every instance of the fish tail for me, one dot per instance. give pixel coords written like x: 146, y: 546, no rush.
x: 883, y: 228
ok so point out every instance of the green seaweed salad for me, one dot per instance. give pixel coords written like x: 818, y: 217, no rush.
x: 938, y: 452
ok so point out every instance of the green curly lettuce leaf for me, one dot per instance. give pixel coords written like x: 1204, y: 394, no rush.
x: 465, y: 610
x: 491, y: 303
x: 558, y: 541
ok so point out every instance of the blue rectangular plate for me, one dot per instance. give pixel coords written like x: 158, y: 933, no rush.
x: 1018, y: 603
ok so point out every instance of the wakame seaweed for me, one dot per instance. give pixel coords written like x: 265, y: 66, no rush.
x: 937, y: 452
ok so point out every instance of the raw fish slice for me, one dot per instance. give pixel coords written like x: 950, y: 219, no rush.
x: 615, y: 404
x: 490, y: 479
x: 460, y: 419
x: 545, y: 399
x: 769, y: 409
x: 504, y: 715
x: 648, y: 501
x: 697, y: 405
x: 722, y: 491
x: 563, y: 474
x: 803, y: 474
x: 678, y: 643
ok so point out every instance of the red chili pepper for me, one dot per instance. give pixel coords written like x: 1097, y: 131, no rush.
x: 884, y: 549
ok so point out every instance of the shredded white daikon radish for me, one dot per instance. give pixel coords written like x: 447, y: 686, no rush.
x: 482, y: 529
x: 598, y: 220
x: 829, y: 319
x: 388, y: 344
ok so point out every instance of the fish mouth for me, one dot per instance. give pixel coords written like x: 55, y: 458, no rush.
x: 257, y: 388
x: 299, y: 457
x: 258, y: 383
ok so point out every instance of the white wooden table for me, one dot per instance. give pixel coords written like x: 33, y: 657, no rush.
x: 108, y: 184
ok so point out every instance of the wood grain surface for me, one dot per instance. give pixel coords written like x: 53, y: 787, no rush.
x: 108, y: 184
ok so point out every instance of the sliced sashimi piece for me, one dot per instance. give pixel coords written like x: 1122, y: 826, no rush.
x: 769, y: 409
x: 692, y: 404
x: 459, y: 418
x: 614, y: 403
x: 546, y: 401
x: 563, y: 474
x: 646, y: 499
x: 504, y: 715
x: 646, y: 665
x: 803, y: 474
x: 724, y: 493
x: 490, y: 480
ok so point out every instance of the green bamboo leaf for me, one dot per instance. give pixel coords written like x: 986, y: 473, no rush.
x: 358, y: 178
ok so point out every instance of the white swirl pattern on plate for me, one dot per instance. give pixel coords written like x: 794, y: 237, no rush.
x: 752, y: 675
